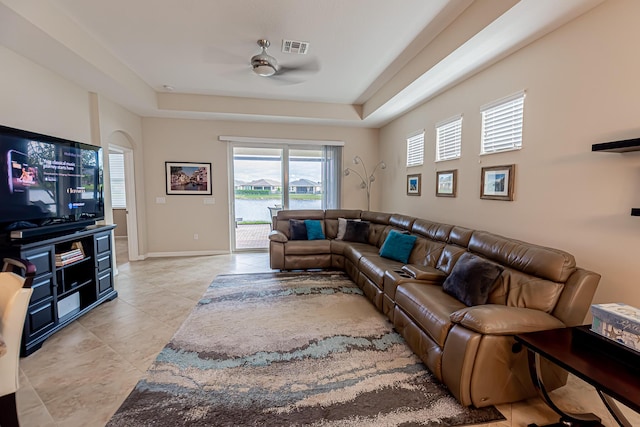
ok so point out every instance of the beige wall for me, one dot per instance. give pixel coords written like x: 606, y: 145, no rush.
x: 35, y: 99
x: 120, y: 219
x: 172, y: 225
x: 582, y: 88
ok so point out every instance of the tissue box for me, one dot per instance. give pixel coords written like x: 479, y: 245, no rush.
x: 618, y: 322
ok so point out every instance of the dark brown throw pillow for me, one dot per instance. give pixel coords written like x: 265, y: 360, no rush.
x: 471, y: 279
x: 297, y: 229
x: 357, y: 231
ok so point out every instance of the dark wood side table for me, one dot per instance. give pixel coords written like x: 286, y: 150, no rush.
x: 612, y: 380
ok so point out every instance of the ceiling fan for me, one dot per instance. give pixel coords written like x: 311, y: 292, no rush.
x: 266, y: 65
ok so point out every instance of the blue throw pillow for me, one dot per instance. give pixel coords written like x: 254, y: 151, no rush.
x: 398, y: 246
x: 314, y: 229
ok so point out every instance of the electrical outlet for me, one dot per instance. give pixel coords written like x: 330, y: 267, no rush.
x: 196, y: 237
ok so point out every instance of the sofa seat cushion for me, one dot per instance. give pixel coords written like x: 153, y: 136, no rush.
x: 354, y: 251
x: 307, y: 247
x: 374, y: 267
x: 429, y: 307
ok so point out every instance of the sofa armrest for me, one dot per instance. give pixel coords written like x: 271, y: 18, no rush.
x: 495, y: 319
x: 278, y: 236
x: 426, y: 273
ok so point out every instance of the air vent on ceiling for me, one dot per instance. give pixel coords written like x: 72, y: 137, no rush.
x: 293, y: 46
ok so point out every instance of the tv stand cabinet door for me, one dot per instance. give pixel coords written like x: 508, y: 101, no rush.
x: 104, y: 261
x: 41, y: 314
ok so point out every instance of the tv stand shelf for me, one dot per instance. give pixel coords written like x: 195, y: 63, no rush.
x: 62, y: 293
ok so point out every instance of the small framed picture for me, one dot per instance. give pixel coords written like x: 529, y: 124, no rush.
x: 188, y: 178
x: 414, y: 182
x: 446, y: 183
x: 497, y: 182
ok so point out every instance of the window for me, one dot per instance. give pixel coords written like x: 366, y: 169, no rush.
x: 415, y: 149
x: 116, y: 172
x: 449, y: 139
x: 502, y: 124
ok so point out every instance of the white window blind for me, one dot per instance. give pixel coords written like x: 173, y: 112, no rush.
x: 415, y: 149
x: 116, y: 172
x: 502, y: 124
x: 449, y: 139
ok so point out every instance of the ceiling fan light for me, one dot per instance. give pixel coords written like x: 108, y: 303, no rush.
x: 264, y: 70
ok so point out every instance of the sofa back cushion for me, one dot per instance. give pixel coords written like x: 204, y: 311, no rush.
x: 539, y: 261
x: 431, y: 230
x: 460, y: 236
x: 378, y: 226
x: 426, y: 252
x: 448, y: 257
x: 403, y: 222
x: 517, y: 289
x: 533, y: 275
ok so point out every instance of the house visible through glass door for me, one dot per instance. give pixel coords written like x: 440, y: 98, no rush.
x: 268, y: 179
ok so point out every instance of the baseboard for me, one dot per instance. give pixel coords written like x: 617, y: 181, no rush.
x: 186, y: 253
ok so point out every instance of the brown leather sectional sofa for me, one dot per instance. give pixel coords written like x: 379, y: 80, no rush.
x: 470, y: 349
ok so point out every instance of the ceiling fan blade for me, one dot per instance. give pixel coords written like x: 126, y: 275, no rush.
x: 312, y: 66
x: 285, y: 79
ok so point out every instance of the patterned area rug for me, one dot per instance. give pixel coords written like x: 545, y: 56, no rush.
x: 290, y: 349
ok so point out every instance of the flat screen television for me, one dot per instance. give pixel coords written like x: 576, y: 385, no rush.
x: 48, y: 184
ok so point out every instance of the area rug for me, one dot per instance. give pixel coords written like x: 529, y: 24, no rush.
x: 290, y: 349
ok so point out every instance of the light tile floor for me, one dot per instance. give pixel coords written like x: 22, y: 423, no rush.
x: 84, y: 372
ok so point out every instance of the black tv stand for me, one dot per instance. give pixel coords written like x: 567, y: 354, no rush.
x: 74, y: 274
x: 50, y: 229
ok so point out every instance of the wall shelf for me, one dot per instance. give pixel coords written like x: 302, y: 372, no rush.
x: 618, y: 146
x: 623, y: 146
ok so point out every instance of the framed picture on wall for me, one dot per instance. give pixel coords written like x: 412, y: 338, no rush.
x: 497, y: 182
x: 188, y: 178
x: 446, y: 183
x: 414, y: 183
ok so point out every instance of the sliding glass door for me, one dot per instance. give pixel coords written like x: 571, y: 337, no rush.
x: 267, y: 179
